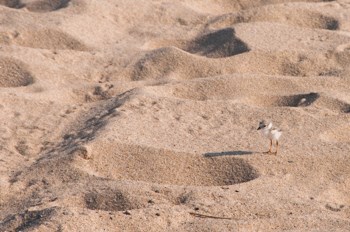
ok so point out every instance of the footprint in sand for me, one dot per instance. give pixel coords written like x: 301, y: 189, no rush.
x: 166, y: 167
x: 44, y: 5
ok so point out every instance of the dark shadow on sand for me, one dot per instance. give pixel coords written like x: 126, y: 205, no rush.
x: 223, y: 153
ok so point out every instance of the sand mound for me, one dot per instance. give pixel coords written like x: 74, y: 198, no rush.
x: 44, y: 5
x: 172, y: 62
x: 221, y: 43
x: 298, y: 100
x: 278, y: 14
x: 167, y: 167
x: 44, y: 39
x: 14, y: 73
x: 10, y: 3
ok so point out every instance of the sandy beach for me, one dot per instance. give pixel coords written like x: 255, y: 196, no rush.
x: 142, y: 115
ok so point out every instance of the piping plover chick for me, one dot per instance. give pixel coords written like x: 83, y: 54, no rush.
x: 272, y: 133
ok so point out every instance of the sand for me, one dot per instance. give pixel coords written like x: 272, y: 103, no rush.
x: 142, y: 115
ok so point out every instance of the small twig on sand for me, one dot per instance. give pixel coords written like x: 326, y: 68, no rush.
x: 208, y: 216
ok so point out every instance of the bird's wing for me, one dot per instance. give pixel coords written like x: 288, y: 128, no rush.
x: 276, y: 130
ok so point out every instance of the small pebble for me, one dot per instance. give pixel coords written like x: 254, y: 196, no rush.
x: 127, y: 213
x: 150, y: 201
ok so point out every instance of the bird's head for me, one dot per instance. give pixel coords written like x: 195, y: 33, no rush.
x: 262, y: 124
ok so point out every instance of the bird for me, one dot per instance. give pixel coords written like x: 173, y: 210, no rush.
x: 272, y: 133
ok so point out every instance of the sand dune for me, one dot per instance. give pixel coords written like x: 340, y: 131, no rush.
x: 125, y: 116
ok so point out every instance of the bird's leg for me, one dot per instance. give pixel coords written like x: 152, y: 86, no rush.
x: 276, y: 148
x: 269, y: 151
